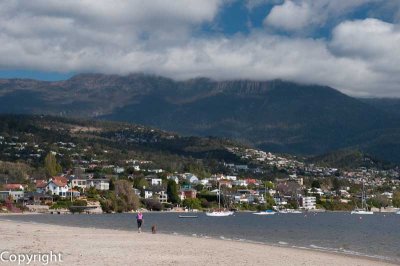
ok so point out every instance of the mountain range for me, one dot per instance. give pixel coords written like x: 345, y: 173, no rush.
x: 277, y: 116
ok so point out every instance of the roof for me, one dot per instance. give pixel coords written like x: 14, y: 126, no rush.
x: 62, y: 179
x: 41, y: 183
x: 13, y: 186
x: 59, y: 183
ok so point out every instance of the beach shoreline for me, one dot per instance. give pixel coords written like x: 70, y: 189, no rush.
x: 90, y: 246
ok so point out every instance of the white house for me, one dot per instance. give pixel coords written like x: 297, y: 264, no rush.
x: 157, y: 171
x: 191, y: 178
x: 99, y: 184
x: 389, y: 195
x: 240, y: 183
x: 173, y: 177
x: 156, y: 181
x: 309, y: 203
x: 80, y: 183
x: 204, y: 181
x: 15, y: 195
x: 315, y: 191
x: 148, y: 194
x: 56, y: 187
x: 231, y: 177
x: 119, y: 170
x: 162, y: 196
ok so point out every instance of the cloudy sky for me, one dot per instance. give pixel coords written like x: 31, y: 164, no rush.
x: 351, y: 45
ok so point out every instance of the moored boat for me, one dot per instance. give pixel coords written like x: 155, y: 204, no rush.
x: 364, y: 207
x: 266, y: 212
x: 220, y: 212
x: 188, y: 216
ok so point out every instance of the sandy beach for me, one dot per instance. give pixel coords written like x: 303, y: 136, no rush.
x: 90, y: 246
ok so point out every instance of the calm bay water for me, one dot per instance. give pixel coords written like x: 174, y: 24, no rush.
x: 375, y: 235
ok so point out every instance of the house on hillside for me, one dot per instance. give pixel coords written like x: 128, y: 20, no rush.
x: 57, y: 187
x: 13, y: 187
x: 148, y: 194
x: 162, y: 196
x: 41, y: 186
x: 80, y: 183
x: 75, y: 193
x: 308, y: 203
x: 189, y: 194
x: 15, y: 195
x: 174, y: 178
x: 34, y: 198
x: 156, y: 181
x: 191, y: 178
x: 99, y: 184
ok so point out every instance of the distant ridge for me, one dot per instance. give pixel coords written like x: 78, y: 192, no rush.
x: 275, y: 115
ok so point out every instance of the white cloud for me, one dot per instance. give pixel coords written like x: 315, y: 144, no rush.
x: 75, y: 36
x: 296, y: 15
x: 290, y: 16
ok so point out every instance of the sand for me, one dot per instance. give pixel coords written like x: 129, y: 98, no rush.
x: 90, y: 246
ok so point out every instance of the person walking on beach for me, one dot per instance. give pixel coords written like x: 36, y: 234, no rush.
x: 139, y: 220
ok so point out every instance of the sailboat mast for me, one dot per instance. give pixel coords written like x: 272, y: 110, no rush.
x: 363, y: 196
x: 219, y: 196
x: 265, y: 193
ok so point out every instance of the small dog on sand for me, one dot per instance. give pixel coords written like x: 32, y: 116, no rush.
x: 154, y: 229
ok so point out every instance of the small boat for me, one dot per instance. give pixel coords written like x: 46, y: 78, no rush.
x: 266, y: 212
x: 398, y: 212
x: 188, y: 216
x: 219, y: 213
x: 290, y: 211
x: 361, y: 211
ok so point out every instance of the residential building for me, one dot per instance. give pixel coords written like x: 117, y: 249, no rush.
x: 80, y: 183
x: 309, y: 203
x: 189, y: 193
x: 57, y: 187
x: 75, y: 193
x: 148, y: 194
x: 119, y: 170
x: 240, y: 183
x: 41, y: 186
x: 156, y: 181
x: 173, y: 177
x: 191, y: 178
x: 99, y: 184
x: 162, y: 196
x: 13, y: 187
x: 15, y: 195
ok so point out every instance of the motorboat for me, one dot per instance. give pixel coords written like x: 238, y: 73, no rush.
x: 266, y: 212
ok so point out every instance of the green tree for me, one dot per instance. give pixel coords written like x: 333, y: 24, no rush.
x: 192, y: 203
x: 396, y: 199
x: 172, y: 192
x: 315, y: 184
x: 51, y: 165
x: 126, y: 198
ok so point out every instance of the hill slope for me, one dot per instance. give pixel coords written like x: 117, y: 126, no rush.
x: 274, y: 115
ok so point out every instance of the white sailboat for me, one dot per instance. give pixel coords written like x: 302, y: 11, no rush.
x: 219, y: 212
x: 364, y: 206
